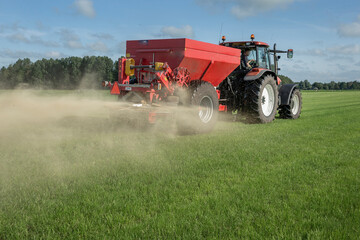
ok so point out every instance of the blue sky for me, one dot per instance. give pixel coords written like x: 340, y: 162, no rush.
x: 325, y: 35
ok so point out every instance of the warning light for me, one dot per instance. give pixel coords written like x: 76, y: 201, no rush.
x: 252, y: 37
x: 223, y: 38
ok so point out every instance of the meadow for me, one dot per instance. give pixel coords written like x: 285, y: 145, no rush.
x: 81, y: 177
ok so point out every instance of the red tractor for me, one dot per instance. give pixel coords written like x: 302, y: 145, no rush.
x: 256, y: 90
x: 209, y: 77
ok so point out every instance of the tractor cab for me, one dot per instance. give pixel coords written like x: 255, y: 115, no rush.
x: 263, y: 57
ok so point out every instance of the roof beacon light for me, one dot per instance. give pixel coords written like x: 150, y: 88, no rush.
x: 252, y: 37
x: 223, y: 38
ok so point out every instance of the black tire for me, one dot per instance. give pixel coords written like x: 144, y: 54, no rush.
x: 200, y: 116
x: 293, y: 110
x: 261, y: 100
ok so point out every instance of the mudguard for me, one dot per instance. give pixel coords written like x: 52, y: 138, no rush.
x: 285, y: 93
x: 257, y: 73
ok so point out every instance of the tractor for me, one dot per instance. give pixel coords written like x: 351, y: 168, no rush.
x: 204, y: 79
x: 256, y: 92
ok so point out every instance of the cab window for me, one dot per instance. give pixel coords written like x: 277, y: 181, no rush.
x: 263, y: 58
x: 252, y: 54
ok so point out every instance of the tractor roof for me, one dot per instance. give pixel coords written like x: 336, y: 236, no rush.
x: 244, y: 44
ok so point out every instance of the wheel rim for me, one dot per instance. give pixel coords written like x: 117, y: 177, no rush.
x: 206, y: 109
x: 295, y: 103
x: 267, y: 100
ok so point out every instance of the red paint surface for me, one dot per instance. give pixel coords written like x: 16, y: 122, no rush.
x: 194, y: 55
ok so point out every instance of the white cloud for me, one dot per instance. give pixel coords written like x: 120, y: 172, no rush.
x: 18, y: 34
x: 13, y: 55
x: 246, y: 8
x: 85, y: 8
x: 30, y: 37
x: 240, y: 12
x: 350, y: 29
x: 351, y: 49
x: 19, y: 54
x: 171, y: 31
x: 70, y: 39
x: 99, y: 47
x: 121, y: 47
x: 339, y: 51
x: 104, y: 36
x: 54, y: 54
x: 74, y: 44
x: 312, y: 52
x: 20, y: 37
x: 318, y: 52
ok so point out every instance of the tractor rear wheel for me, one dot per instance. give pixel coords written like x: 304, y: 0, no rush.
x: 261, y: 100
x: 201, y: 114
x: 293, y: 110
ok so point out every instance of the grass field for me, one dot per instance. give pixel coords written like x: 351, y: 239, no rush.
x: 291, y: 179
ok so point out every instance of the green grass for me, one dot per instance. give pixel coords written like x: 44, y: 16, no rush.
x: 291, y: 179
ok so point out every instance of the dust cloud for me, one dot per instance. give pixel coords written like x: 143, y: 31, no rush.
x: 52, y: 135
x: 21, y: 109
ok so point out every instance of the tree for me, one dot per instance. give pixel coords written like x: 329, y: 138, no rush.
x: 343, y: 86
x: 301, y: 85
x: 4, y: 78
x: 285, y: 79
x: 115, y: 70
x: 332, y: 85
x: 307, y: 85
x: 37, y: 74
x: 317, y: 85
x: 356, y: 85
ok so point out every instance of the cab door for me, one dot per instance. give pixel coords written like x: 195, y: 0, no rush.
x: 263, y: 57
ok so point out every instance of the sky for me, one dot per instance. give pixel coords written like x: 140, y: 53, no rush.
x: 325, y: 34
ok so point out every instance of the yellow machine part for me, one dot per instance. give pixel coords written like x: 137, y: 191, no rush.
x: 159, y: 66
x: 129, y: 62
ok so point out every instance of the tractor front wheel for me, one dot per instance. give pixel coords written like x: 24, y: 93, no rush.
x: 293, y: 110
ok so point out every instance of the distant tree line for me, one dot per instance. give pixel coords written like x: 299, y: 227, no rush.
x: 88, y: 72
x: 306, y: 85
x: 64, y: 73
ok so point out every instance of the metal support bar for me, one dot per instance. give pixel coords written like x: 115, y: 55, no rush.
x: 142, y: 66
x: 277, y: 51
x: 135, y: 85
x: 211, y: 62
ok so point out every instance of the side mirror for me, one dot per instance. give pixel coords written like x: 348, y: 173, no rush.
x: 290, y: 53
x: 278, y: 57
